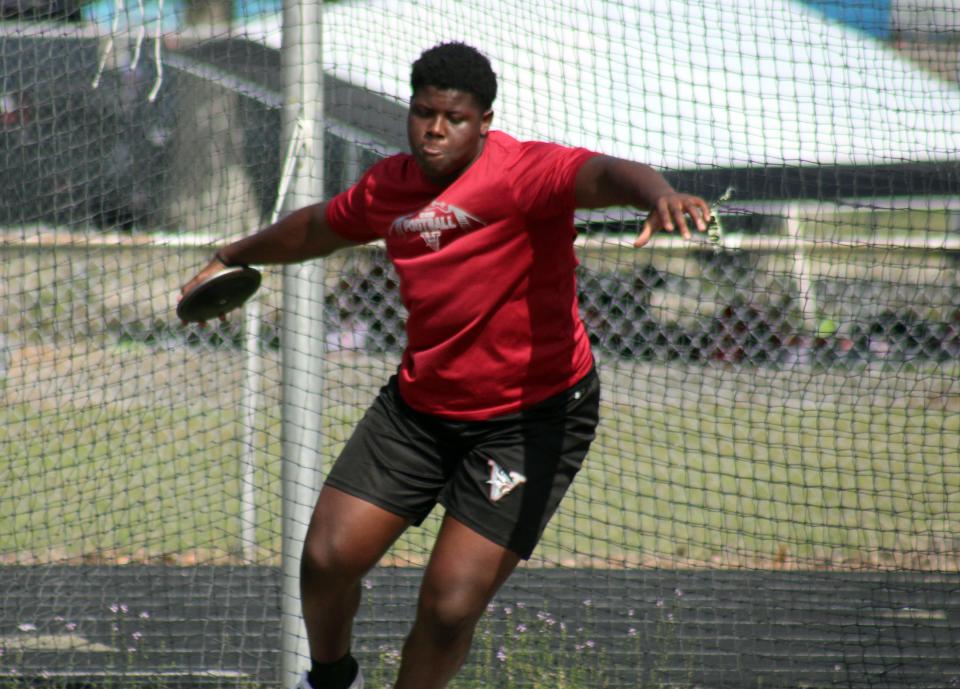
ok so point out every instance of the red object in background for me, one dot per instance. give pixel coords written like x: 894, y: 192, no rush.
x: 14, y: 110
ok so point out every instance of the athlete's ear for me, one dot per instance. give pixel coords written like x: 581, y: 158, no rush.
x: 485, y: 121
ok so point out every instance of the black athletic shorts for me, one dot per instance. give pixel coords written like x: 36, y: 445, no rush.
x: 502, y: 477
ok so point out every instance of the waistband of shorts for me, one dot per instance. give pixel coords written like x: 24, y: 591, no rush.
x: 559, y: 398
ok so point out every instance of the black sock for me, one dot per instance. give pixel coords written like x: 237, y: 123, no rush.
x: 336, y: 675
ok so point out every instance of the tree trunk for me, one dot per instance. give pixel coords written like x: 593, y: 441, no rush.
x: 211, y: 190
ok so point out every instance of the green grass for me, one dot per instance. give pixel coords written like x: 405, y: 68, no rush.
x: 83, y: 482
x: 698, y: 482
x: 714, y: 486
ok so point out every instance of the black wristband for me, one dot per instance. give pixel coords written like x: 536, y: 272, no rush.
x: 219, y: 256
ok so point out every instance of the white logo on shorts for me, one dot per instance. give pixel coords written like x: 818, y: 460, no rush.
x: 502, y: 482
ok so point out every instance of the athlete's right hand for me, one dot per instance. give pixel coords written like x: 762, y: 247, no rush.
x: 212, y: 268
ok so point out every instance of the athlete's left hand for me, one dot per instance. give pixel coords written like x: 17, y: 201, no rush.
x: 670, y: 212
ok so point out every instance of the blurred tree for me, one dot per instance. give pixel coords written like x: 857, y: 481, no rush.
x: 211, y: 188
x: 212, y: 12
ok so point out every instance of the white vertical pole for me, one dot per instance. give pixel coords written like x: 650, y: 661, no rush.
x: 251, y: 403
x: 302, y: 327
x: 801, y: 268
x: 254, y: 369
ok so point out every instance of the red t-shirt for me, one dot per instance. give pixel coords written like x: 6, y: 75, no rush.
x: 486, y: 268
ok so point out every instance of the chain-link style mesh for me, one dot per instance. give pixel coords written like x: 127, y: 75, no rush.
x: 772, y: 496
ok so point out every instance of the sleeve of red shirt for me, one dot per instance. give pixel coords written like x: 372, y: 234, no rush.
x: 545, y: 176
x: 347, y: 212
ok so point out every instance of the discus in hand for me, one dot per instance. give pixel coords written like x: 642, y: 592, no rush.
x: 223, y: 291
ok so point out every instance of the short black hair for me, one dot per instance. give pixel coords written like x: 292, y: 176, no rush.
x: 456, y: 66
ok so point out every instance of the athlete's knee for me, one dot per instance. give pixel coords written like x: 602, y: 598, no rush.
x: 327, y: 556
x: 449, y: 612
x: 342, y: 541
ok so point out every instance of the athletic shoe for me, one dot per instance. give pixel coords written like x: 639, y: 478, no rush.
x: 357, y: 682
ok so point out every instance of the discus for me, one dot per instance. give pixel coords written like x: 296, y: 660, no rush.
x: 223, y: 291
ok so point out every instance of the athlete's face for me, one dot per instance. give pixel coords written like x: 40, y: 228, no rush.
x: 446, y: 129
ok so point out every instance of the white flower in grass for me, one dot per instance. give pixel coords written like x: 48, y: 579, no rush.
x: 546, y: 618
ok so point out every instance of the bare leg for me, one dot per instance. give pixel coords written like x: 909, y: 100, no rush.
x: 464, y: 573
x: 345, y: 539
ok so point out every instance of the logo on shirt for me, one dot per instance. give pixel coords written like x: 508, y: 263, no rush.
x: 431, y: 222
x: 502, y: 482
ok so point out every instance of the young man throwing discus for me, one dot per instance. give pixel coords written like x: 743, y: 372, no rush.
x: 495, y: 402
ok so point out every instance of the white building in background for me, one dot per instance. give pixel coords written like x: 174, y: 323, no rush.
x: 926, y: 18
x: 928, y: 31
x: 681, y: 85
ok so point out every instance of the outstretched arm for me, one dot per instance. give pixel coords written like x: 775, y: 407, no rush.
x: 300, y: 236
x: 607, y: 181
